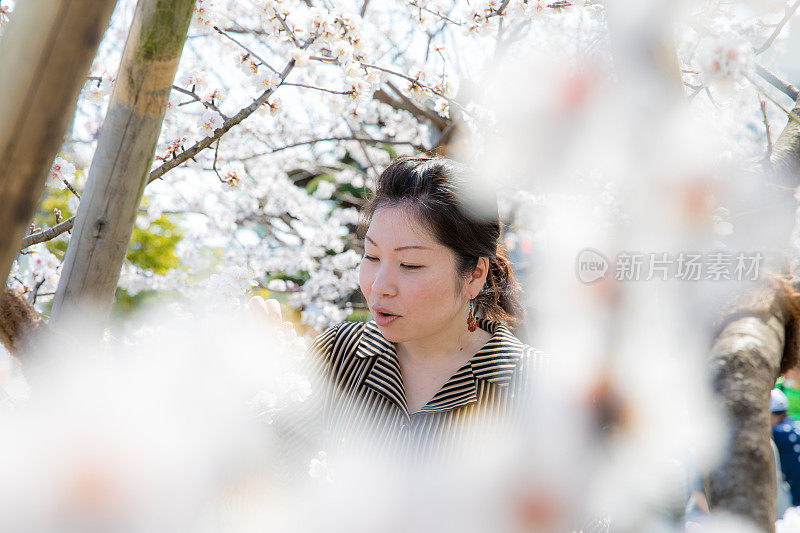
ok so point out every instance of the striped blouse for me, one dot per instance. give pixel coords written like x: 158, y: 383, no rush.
x: 359, y: 402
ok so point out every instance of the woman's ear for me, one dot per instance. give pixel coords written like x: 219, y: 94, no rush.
x: 478, y: 278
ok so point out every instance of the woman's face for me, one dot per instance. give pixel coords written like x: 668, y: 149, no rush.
x: 408, y: 273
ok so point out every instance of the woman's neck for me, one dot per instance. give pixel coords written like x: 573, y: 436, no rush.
x: 453, y: 342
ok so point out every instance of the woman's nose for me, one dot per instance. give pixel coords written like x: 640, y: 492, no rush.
x: 383, y: 282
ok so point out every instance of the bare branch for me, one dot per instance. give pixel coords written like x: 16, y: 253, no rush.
x: 499, y: 11
x: 317, y: 88
x: 415, y: 110
x: 196, y: 97
x: 243, y: 30
x: 763, y: 105
x: 246, y: 49
x: 204, y: 143
x: 364, y: 150
x: 33, y: 293
x: 790, y: 11
x: 70, y: 188
x: 786, y: 88
x: 46, y: 235
x: 436, y: 13
x: 214, y: 164
x: 394, y: 73
x: 345, y: 138
x: 384, y: 97
x: 287, y: 28
x: 409, y: 78
x: 789, y: 113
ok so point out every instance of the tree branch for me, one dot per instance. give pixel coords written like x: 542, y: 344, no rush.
x: 197, y: 98
x: 286, y: 28
x: 219, y: 132
x: 789, y: 14
x: 786, y: 88
x: 246, y: 49
x: 318, y: 88
x: 409, y: 104
x: 436, y: 13
x: 406, y: 105
x: 394, y: 73
x: 46, y: 235
x: 345, y: 138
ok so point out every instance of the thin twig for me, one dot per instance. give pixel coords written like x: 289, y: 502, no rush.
x: 317, y: 88
x: 791, y: 115
x: 711, y: 98
x: 71, y: 188
x: 364, y: 150
x: 32, y: 294
x: 336, y: 139
x: 394, y: 73
x: 763, y: 105
x: 214, y: 164
x: 407, y: 77
x: 789, y: 14
x: 196, y: 98
x: 287, y: 29
x: 436, y: 13
x: 499, y: 11
x: 246, y: 49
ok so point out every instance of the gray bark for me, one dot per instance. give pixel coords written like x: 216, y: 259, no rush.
x: 45, y: 55
x: 743, y: 366
x: 121, y: 163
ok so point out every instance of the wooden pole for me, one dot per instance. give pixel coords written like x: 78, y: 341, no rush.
x: 124, y: 154
x: 45, y: 55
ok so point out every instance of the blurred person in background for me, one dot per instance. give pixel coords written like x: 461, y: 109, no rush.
x: 789, y: 384
x: 786, y: 435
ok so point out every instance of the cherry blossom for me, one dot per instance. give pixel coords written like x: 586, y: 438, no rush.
x: 60, y: 171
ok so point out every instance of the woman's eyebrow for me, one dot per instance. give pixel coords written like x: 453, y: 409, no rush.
x: 400, y: 247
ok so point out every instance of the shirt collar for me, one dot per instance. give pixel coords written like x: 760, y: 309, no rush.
x: 494, y: 362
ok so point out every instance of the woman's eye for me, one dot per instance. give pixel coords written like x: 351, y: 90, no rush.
x: 407, y: 267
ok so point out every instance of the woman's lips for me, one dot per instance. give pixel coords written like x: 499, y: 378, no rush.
x: 384, y: 319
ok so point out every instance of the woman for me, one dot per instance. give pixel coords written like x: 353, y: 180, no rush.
x: 438, y: 365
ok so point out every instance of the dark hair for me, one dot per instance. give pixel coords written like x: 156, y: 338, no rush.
x: 433, y: 189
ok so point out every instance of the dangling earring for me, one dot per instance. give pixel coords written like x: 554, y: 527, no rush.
x: 472, y: 324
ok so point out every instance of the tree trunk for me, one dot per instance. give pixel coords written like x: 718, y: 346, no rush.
x: 121, y: 163
x: 758, y: 342
x: 18, y: 321
x: 744, y: 364
x: 45, y: 55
